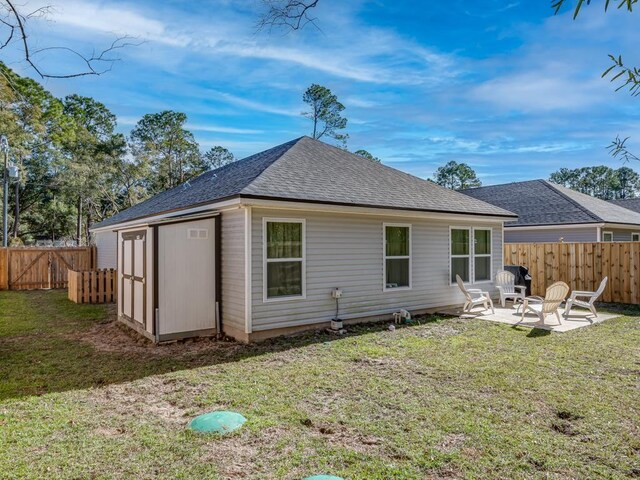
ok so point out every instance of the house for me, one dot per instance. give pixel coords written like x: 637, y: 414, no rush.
x: 550, y: 213
x: 255, y: 249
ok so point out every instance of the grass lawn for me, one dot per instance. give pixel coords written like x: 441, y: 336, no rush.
x: 81, y: 398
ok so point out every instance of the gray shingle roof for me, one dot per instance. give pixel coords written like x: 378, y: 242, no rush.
x: 309, y: 170
x: 539, y: 202
x: 628, y: 203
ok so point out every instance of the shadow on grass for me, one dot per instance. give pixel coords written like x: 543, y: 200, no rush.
x: 538, y: 332
x: 54, y: 354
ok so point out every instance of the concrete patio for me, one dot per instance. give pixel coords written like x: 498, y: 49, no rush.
x: 578, y: 318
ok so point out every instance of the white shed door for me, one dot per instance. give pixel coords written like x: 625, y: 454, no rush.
x: 186, y: 276
x: 133, y: 278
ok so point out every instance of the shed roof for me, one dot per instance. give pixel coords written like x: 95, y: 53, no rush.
x: 539, y: 202
x: 309, y: 170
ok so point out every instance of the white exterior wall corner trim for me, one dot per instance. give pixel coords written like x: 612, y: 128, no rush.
x: 290, y: 298
x: 384, y: 257
x: 248, y: 324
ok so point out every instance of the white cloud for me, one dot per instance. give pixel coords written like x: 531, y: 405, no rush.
x: 252, y: 104
x: 220, y: 129
x: 540, y: 91
x: 374, y: 55
x: 118, y: 20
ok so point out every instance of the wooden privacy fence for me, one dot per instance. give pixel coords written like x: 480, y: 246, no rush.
x: 29, y: 268
x: 96, y: 286
x: 582, y: 266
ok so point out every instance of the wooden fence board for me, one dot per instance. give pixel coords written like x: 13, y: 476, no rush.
x: 93, y: 286
x: 582, y: 266
x: 27, y: 268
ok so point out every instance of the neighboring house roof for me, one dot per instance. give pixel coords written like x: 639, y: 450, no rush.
x: 308, y: 170
x: 628, y: 203
x: 539, y: 202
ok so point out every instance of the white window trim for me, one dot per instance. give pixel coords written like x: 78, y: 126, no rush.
x: 384, y: 257
x: 452, y: 256
x: 490, y: 255
x: 471, y: 255
x: 265, y: 260
x: 636, y: 235
x: 607, y: 232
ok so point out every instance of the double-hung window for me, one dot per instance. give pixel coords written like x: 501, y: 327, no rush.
x: 397, y: 256
x: 635, y: 237
x: 471, y: 256
x: 460, y: 254
x: 481, y: 254
x: 284, y: 258
x: 607, y: 236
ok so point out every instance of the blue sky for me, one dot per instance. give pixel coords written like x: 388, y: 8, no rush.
x: 506, y: 87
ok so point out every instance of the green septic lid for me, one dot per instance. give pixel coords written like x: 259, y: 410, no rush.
x: 217, y: 422
x: 323, y: 477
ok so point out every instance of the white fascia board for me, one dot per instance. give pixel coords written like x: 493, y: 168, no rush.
x: 177, y: 213
x: 385, y: 212
x: 622, y: 226
x: 553, y: 227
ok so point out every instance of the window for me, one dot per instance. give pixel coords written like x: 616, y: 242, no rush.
x: 284, y: 266
x: 607, y: 236
x: 397, y: 256
x: 471, y: 259
x: 635, y: 237
x: 481, y: 255
x: 460, y: 254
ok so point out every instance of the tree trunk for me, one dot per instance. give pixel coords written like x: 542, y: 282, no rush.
x: 79, y: 223
x: 86, y: 228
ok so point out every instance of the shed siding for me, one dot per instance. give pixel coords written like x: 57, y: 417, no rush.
x: 233, y: 284
x: 346, y: 251
x: 186, y: 276
x: 107, y: 247
x: 540, y: 235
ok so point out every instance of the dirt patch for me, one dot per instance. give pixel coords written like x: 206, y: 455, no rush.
x: 113, y: 337
x: 237, y: 456
x: 452, y: 442
x: 152, y: 399
x: 564, y: 428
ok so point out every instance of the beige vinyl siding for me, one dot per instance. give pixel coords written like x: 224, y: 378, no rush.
x: 107, y: 246
x: 346, y: 251
x: 186, y: 276
x: 543, y: 235
x: 233, y: 284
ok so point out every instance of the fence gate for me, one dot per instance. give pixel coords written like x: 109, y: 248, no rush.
x: 34, y: 268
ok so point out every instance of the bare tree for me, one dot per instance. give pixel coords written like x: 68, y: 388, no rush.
x: 15, y: 23
x: 288, y: 14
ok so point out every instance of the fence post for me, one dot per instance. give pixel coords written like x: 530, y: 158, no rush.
x: 4, y: 268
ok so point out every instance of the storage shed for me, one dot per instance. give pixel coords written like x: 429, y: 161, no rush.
x: 167, y: 276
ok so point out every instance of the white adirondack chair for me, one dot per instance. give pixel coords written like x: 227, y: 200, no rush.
x: 543, y: 307
x: 589, y: 303
x: 506, y: 285
x: 474, y: 297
